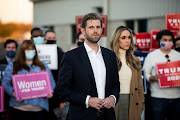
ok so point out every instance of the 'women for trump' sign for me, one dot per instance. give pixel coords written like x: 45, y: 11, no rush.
x: 170, y: 74
x: 32, y: 85
x: 1, y: 98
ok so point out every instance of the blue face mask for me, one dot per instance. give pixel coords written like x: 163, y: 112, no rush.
x: 11, y: 53
x: 38, y: 40
x: 30, y: 54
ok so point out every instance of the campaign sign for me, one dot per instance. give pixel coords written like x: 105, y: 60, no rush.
x: 2, y: 68
x: 104, y: 25
x: 141, y: 55
x: 1, y: 98
x: 173, y: 21
x: 143, y: 41
x: 170, y: 74
x: 32, y: 85
x: 48, y: 54
x: 154, y: 42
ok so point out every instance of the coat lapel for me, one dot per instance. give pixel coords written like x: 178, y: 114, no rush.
x: 86, y: 61
x: 107, y: 65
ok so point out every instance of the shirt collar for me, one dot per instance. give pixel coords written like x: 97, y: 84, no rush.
x: 8, y: 60
x: 88, y: 49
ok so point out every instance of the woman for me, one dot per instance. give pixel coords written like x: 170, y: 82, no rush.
x: 131, y: 101
x: 27, y: 61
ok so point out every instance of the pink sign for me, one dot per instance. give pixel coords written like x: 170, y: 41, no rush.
x: 32, y: 85
x: 143, y: 41
x: 154, y: 43
x: 170, y: 74
x: 173, y: 21
x: 1, y: 98
x: 104, y: 26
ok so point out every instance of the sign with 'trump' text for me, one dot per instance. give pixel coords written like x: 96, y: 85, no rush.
x: 170, y: 74
x: 32, y: 85
x: 1, y: 98
x: 173, y: 21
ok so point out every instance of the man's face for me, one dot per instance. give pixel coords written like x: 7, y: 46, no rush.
x: 93, y: 31
x: 37, y: 33
x: 50, y: 36
x: 166, y: 38
x: 10, y: 46
x: 81, y: 38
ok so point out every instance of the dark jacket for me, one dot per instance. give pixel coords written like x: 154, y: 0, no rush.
x: 76, y: 81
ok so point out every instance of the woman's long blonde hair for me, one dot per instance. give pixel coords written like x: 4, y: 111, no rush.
x: 131, y: 60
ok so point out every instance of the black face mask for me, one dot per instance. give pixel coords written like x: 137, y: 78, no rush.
x: 80, y: 43
x: 177, y: 49
x: 51, y: 41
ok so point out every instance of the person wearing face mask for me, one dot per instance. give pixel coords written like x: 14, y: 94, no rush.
x: 37, y: 36
x: 165, y: 102
x: 80, y: 38
x: 177, y: 44
x: 26, y: 62
x: 10, y: 48
x: 50, y: 38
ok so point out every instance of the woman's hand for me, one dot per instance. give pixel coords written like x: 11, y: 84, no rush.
x: 50, y: 96
x: 19, y: 100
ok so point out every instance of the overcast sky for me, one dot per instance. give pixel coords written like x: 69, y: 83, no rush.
x: 16, y: 11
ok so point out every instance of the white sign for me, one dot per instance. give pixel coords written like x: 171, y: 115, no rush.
x: 48, y: 54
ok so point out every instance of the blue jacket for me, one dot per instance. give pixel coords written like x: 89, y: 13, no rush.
x: 7, y: 83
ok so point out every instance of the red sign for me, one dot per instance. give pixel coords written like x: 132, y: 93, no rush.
x: 104, y: 25
x: 173, y: 21
x: 170, y: 74
x: 32, y: 85
x: 1, y: 98
x: 143, y: 41
x: 154, y: 43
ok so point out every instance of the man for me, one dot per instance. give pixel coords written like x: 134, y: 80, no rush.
x: 10, y: 48
x: 37, y: 36
x: 177, y: 44
x: 50, y: 38
x: 165, y: 101
x: 80, y: 38
x: 88, y: 76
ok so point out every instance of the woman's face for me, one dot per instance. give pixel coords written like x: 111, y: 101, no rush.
x: 125, y: 40
x: 29, y: 48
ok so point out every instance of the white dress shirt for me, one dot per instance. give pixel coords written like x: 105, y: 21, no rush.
x: 99, y: 70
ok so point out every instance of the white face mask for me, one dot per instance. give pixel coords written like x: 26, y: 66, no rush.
x: 30, y: 54
x: 38, y: 40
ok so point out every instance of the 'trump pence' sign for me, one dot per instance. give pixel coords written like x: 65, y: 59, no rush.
x: 170, y: 74
x: 32, y: 85
x: 173, y: 21
x: 143, y: 41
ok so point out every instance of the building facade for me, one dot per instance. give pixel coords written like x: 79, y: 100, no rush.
x: 139, y: 15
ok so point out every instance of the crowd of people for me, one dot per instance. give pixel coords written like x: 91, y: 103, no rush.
x: 92, y: 82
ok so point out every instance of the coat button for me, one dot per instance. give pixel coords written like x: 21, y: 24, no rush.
x: 132, y: 94
x: 137, y: 103
x: 135, y: 88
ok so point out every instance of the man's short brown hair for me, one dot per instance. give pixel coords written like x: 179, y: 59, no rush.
x: 90, y: 16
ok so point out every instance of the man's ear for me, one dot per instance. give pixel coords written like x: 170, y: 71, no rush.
x: 83, y: 31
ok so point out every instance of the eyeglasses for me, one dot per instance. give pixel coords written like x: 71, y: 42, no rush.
x: 167, y: 57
